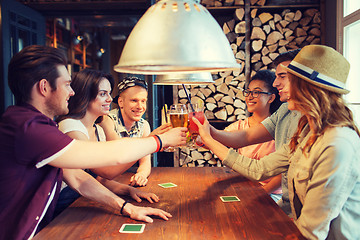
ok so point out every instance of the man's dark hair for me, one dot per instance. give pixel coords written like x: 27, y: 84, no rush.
x: 29, y: 66
x: 286, y: 56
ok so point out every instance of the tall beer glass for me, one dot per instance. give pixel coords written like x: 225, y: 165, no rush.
x: 178, y: 114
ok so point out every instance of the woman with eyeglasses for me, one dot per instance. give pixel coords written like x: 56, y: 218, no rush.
x: 262, y: 99
x: 323, y: 156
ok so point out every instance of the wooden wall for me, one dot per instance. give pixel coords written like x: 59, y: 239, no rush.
x: 258, y: 32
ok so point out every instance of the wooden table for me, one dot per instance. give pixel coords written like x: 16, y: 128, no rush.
x: 198, y: 212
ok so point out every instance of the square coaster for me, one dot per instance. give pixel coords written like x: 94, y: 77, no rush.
x: 132, y: 228
x: 167, y: 185
x: 230, y: 199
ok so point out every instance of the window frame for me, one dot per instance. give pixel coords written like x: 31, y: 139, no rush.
x: 342, y: 23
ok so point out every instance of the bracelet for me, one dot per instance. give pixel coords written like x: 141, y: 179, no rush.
x: 122, y: 208
x: 158, y: 142
x: 160, y: 148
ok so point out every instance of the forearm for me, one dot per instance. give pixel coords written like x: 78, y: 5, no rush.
x: 273, y: 184
x: 114, y: 186
x: 85, y: 154
x: 259, y: 170
x: 227, y: 138
x: 242, y: 138
x: 216, y: 147
x: 144, y: 166
x: 90, y: 188
x: 99, y: 193
x: 111, y: 172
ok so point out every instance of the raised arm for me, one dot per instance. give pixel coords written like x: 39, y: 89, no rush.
x: 161, y: 129
x: 270, y: 165
x: 83, y: 154
x: 241, y: 138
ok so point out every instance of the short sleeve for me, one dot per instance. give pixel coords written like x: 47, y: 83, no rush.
x: 69, y: 125
x: 270, y: 122
x: 233, y: 126
x: 39, y: 139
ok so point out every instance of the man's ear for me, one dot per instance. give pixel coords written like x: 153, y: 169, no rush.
x: 272, y: 98
x: 44, y: 87
x: 120, y: 102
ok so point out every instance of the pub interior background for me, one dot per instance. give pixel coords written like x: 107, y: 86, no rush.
x: 92, y: 33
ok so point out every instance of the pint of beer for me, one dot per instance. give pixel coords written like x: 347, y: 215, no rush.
x: 179, y: 119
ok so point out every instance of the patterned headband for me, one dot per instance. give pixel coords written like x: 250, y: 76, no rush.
x: 131, y: 82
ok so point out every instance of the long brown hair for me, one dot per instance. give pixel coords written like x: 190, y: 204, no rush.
x: 86, y: 87
x: 322, y: 108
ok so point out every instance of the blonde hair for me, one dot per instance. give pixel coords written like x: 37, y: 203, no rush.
x: 322, y: 108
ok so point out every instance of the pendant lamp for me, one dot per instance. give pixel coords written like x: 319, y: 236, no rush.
x: 199, y: 78
x: 176, y: 36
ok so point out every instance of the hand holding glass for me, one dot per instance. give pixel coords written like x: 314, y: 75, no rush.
x: 178, y: 117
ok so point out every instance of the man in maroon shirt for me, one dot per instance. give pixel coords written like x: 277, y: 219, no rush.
x: 33, y: 150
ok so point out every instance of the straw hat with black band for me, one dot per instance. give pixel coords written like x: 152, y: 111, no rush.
x: 322, y: 66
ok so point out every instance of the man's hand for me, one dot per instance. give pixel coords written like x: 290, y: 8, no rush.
x: 143, y: 213
x: 138, y: 179
x: 161, y: 129
x: 174, y: 137
x: 138, y: 194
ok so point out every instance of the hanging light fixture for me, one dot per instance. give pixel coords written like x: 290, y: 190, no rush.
x: 176, y: 36
x: 199, y: 78
x: 77, y: 39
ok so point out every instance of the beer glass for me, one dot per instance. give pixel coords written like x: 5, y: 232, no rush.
x: 178, y: 114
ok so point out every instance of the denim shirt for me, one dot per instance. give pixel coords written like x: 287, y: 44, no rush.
x: 326, y: 181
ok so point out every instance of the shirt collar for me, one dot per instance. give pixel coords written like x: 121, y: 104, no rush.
x: 135, y: 129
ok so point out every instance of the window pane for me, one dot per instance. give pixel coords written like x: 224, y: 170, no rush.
x: 33, y: 25
x: 23, y: 21
x: 352, y: 54
x: 356, y: 111
x: 23, y: 39
x: 351, y: 6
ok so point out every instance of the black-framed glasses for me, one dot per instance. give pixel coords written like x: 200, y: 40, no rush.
x: 254, y: 93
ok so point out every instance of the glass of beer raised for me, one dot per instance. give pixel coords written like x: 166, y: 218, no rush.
x: 178, y: 114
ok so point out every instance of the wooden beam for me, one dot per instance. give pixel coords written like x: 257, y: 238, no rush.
x: 90, y: 8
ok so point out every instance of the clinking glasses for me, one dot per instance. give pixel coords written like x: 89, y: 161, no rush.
x: 254, y: 93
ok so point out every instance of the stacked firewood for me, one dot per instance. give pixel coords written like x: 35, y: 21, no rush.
x: 225, y: 3
x: 222, y: 100
x: 276, y: 33
x: 271, y: 33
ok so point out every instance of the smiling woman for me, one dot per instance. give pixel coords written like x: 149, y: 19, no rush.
x: 262, y: 99
x: 90, y: 86
x: 86, y: 109
x: 91, y: 101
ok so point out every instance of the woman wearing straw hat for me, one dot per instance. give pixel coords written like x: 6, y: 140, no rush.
x: 323, y: 156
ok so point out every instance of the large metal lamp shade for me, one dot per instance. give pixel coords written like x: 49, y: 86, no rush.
x: 176, y: 36
x: 200, y: 78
